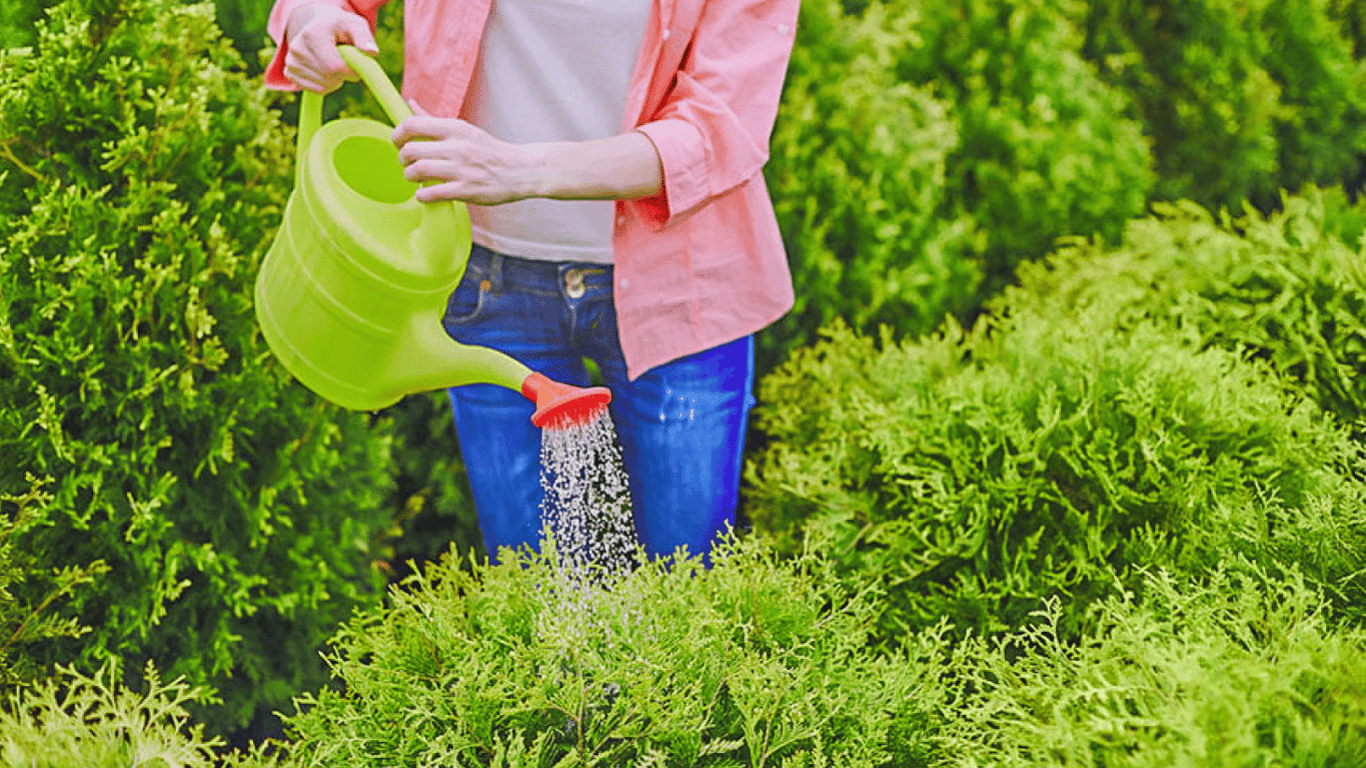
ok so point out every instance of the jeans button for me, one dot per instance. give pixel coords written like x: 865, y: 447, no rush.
x: 573, y: 283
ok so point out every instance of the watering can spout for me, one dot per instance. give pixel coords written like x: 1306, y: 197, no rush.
x: 561, y: 405
x: 448, y: 363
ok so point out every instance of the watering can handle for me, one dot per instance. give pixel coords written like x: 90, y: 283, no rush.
x: 431, y: 242
x: 370, y: 72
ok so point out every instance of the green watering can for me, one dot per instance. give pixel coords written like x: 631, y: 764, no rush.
x: 351, y: 293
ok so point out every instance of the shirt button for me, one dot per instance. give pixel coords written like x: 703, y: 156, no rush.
x: 782, y: 29
x: 621, y: 220
x: 625, y: 282
x: 667, y: 33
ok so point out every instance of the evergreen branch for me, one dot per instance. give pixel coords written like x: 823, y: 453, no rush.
x: 9, y: 155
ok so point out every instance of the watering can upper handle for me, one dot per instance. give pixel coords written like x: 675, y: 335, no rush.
x: 379, y: 84
x: 431, y: 242
x: 370, y: 72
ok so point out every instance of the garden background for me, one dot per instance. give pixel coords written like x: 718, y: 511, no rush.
x: 1058, y: 458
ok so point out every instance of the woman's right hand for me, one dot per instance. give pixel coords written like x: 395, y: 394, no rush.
x: 314, y: 31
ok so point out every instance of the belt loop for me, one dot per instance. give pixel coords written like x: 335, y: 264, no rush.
x: 496, y: 272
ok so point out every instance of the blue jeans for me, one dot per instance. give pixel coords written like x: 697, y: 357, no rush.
x: 681, y: 424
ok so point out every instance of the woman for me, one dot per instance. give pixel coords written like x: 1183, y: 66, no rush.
x: 611, y: 153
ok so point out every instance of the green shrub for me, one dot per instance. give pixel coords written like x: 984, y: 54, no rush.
x: 1343, y: 219
x: 1043, y: 455
x: 1044, y: 147
x: 143, y: 174
x: 1233, y: 670
x: 244, y: 23
x: 1279, y: 288
x: 1321, y: 119
x: 17, y: 18
x: 27, y: 621
x: 1240, y: 99
x: 857, y: 177
x: 753, y: 662
x: 94, y: 722
x: 1351, y: 17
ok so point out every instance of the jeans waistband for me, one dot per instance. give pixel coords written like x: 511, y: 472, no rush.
x: 499, y: 268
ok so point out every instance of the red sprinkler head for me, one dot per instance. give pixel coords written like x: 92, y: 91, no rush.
x: 560, y: 405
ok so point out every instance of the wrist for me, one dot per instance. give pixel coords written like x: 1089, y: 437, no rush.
x: 543, y: 169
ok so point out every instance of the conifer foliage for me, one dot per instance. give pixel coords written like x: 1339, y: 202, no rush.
x: 141, y: 175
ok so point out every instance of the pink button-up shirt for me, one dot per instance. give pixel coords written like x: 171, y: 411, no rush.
x: 702, y: 263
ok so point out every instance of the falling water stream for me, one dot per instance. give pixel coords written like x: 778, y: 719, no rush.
x: 587, y: 513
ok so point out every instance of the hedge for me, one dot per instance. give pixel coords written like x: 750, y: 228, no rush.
x: 141, y: 175
x: 1240, y: 99
x: 1051, y: 451
x: 752, y: 662
x: 1045, y: 147
x: 1284, y: 289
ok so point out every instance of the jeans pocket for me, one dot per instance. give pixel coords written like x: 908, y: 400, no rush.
x: 466, y: 304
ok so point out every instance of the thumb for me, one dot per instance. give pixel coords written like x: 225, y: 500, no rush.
x: 359, y: 33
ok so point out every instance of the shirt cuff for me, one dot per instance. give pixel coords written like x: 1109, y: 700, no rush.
x: 683, y: 154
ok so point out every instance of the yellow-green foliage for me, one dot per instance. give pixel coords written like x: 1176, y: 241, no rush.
x: 95, y: 722
x: 1054, y: 449
x: 755, y: 662
x: 34, y: 618
x: 1234, y: 669
x: 141, y: 176
x: 1281, y: 289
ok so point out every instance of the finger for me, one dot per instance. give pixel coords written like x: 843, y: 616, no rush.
x: 324, y: 66
x: 450, y: 190
x: 306, y: 78
x: 422, y: 127
x: 356, y: 32
x: 422, y: 149
x: 417, y: 108
x: 429, y: 169
x: 314, y: 86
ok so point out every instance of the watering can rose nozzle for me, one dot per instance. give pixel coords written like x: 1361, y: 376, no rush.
x: 559, y: 405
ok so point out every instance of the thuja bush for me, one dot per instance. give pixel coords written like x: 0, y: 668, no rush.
x: 30, y: 618
x: 1044, y: 146
x: 141, y: 174
x: 1351, y: 17
x: 1240, y: 99
x: 1039, y: 455
x: 1344, y: 218
x: 1281, y: 288
x: 1235, y: 669
x: 857, y: 175
x: 94, y: 721
x: 757, y: 661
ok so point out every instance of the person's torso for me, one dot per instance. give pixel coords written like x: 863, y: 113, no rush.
x: 553, y: 70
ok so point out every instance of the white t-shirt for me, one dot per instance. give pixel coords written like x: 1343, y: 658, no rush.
x: 553, y: 70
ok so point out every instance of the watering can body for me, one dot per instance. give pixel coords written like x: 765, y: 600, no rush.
x: 350, y: 294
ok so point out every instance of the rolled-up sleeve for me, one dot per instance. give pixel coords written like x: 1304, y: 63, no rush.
x: 712, y: 130
x: 279, y: 19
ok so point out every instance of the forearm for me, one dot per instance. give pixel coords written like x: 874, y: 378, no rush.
x: 623, y: 167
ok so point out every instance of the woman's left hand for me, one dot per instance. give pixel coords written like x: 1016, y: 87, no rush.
x: 467, y: 163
